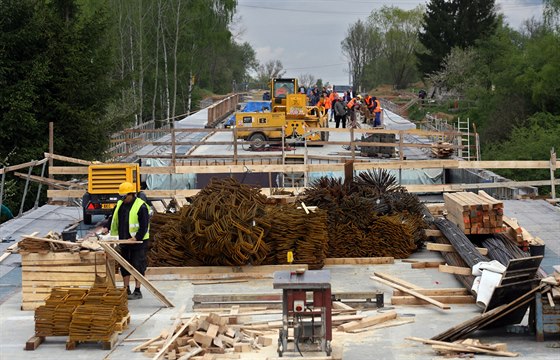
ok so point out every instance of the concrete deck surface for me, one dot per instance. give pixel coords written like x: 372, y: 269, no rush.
x: 148, y: 318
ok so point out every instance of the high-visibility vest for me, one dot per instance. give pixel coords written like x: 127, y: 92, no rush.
x: 351, y: 103
x: 133, y: 222
x: 377, y: 106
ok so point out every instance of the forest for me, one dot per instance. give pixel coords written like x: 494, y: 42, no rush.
x: 94, y: 67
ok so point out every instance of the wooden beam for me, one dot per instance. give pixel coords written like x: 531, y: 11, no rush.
x: 115, y: 255
x: 22, y: 166
x: 411, y: 292
x: 450, y: 248
x: 457, y: 270
x: 368, y: 321
x: 359, y: 261
x: 67, y: 159
x: 433, y: 232
x: 447, y: 299
x: 426, y: 264
x: 398, y: 281
x: 436, y: 292
x: 464, y: 348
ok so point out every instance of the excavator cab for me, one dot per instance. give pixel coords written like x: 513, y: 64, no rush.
x: 281, y: 88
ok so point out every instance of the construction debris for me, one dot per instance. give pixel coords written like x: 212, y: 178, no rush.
x: 442, y: 150
x: 201, y: 335
x: 466, y: 346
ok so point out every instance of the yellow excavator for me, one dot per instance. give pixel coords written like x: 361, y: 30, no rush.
x: 288, y: 110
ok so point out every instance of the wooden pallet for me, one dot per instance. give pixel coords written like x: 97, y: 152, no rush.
x: 105, y: 344
x: 122, y: 325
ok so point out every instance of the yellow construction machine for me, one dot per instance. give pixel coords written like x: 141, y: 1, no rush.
x: 289, y: 110
x: 103, y: 187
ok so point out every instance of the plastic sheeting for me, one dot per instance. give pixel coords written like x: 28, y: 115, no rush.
x: 250, y: 106
x: 170, y: 181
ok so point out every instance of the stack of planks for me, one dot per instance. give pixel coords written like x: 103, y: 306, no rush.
x: 201, y: 335
x: 475, y: 214
x: 442, y: 150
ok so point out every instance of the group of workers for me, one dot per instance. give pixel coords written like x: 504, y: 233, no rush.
x: 346, y: 107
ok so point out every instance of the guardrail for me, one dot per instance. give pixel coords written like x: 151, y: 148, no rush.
x: 219, y: 110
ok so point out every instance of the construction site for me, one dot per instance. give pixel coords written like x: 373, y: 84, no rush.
x: 294, y: 239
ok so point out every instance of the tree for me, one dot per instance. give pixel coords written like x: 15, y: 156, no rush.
x: 269, y: 70
x: 448, y: 24
x: 398, y: 42
x: 306, y: 80
x: 359, y: 48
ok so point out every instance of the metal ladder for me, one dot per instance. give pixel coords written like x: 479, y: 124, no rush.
x: 464, y: 139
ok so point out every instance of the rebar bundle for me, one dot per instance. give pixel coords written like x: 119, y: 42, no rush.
x: 228, y: 223
x: 303, y: 234
x: 464, y: 247
x: 503, y: 249
x: 372, y: 216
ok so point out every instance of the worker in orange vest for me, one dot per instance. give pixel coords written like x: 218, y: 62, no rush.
x: 353, y: 106
x: 370, y: 104
x: 377, y: 111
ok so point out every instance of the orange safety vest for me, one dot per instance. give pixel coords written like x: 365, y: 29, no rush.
x: 377, y: 106
x: 351, y: 103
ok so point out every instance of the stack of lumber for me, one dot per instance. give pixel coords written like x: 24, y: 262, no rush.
x: 520, y: 234
x: 442, y: 150
x: 474, y: 214
x: 414, y: 294
x: 202, y: 335
x: 467, y: 346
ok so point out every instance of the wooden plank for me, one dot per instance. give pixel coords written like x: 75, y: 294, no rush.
x: 360, y: 261
x: 395, y: 322
x: 449, y: 248
x: 411, y: 292
x: 464, y: 348
x: 433, y: 232
x: 61, y: 242
x: 54, y: 276
x: 368, y: 321
x: 426, y: 264
x: 115, y: 255
x: 34, y: 342
x: 158, y: 206
x: 447, y: 299
x: 436, y: 292
x: 174, y: 337
x: 457, y: 270
x: 398, y: 281
x: 67, y: 159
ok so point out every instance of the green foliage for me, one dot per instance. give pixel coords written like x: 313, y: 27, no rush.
x: 531, y: 142
x: 449, y: 24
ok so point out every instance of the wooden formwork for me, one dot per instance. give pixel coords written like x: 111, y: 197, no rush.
x: 43, y: 271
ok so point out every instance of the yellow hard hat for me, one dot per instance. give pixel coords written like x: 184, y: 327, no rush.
x: 359, y: 96
x: 126, y: 188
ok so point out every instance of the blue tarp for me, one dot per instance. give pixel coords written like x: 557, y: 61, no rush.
x: 250, y: 106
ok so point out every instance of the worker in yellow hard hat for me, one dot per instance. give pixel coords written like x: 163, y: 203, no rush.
x: 131, y: 221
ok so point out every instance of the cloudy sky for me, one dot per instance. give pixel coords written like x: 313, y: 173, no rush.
x: 305, y: 35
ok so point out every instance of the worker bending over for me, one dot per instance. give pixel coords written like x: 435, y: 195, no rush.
x: 131, y: 221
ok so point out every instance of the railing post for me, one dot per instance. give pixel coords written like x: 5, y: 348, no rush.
x: 552, y: 169
x: 352, y: 143
x: 401, y: 141
x: 36, y: 205
x: 173, y: 146
x: 25, y: 190
x: 235, y: 144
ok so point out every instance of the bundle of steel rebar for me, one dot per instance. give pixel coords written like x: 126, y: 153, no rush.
x: 503, y: 249
x: 462, y: 245
x: 227, y: 223
x: 371, y: 216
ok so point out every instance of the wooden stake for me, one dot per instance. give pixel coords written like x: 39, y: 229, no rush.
x: 115, y: 255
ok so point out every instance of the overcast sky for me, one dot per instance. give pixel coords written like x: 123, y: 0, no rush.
x: 305, y: 35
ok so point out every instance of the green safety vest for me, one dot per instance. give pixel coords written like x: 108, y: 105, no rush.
x: 133, y: 223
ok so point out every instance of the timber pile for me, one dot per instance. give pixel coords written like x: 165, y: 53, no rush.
x: 372, y: 216
x: 33, y: 244
x: 466, y: 346
x: 202, y: 335
x: 474, y: 214
x: 229, y: 223
x: 442, y: 150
